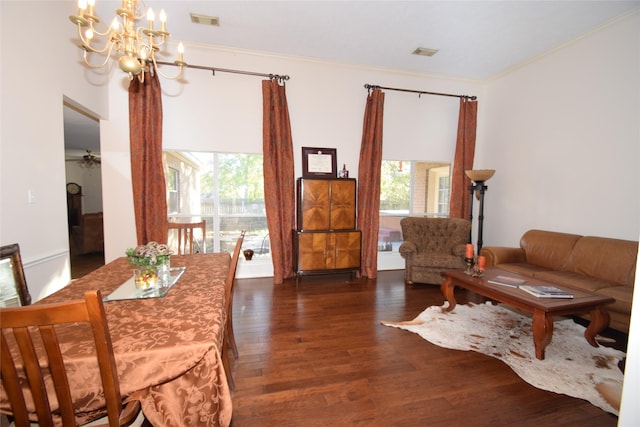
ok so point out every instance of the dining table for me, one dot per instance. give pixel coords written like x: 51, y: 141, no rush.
x: 167, y: 346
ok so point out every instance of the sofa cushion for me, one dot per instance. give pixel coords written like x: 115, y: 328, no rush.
x: 574, y: 280
x: 437, y: 260
x: 613, y: 260
x: 548, y: 248
x: 623, y: 296
x: 521, y: 268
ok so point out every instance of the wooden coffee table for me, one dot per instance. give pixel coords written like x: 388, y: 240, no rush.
x: 542, y: 309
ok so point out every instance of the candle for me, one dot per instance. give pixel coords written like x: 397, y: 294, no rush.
x: 163, y: 20
x: 481, y: 263
x: 150, y: 17
x: 469, y: 251
x: 180, y: 52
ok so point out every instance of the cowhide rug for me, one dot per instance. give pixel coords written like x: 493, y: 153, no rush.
x: 571, y: 365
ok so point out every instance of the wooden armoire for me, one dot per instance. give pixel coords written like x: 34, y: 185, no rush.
x: 326, y: 239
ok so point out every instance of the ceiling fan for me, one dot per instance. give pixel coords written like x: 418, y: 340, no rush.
x: 88, y: 160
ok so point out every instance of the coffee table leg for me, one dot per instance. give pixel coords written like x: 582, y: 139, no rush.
x: 447, y: 287
x: 599, y: 321
x: 542, y: 332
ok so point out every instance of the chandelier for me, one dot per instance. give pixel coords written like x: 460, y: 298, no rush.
x: 89, y: 161
x: 134, y: 44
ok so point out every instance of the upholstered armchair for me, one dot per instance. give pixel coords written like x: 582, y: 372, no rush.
x: 432, y: 245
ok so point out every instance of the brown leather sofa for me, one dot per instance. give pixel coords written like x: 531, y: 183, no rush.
x: 596, y: 264
x: 432, y: 245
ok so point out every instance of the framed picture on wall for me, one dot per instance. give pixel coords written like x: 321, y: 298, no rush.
x: 319, y: 162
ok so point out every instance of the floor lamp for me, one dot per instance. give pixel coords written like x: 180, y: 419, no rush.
x: 477, y: 187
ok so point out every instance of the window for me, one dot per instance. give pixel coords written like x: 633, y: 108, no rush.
x: 409, y: 187
x: 226, y: 190
x: 173, y: 190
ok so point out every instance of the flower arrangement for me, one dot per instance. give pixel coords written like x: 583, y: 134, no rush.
x: 149, y: 255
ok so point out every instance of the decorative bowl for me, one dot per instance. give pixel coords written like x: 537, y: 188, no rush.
x: 480, y: 175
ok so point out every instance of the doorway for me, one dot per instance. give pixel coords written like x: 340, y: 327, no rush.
x: 84, y: 189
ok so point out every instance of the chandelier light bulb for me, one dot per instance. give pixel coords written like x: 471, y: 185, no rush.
x: 163, y: 20
x: 82, y: 4
x: 150, y: 17
x: 89, y: 34
x: 180, y: 60
x: 115, y: 24
x: 91, y: 3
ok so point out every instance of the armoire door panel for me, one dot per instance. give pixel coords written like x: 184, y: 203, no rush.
x: 312, y: 251
x: 343, y: 204
x: 315, y: 204
x: 347, y: 249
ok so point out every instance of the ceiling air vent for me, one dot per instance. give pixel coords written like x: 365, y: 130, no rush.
x: 205, y: 19
x: 425, y: 51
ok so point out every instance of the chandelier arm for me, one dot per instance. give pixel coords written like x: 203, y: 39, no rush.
x: 157, y: 70
x: 86, y: 44
x: 107, y: 32
x: 106, y: 59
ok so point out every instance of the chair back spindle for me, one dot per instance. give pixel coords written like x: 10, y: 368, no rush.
x: 185, y: 237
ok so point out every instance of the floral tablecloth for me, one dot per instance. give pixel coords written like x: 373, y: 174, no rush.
x: 167, y: 349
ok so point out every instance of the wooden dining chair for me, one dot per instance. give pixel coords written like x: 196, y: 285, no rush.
x: 10, y: 254
x: 27, y: 367
x: 229, y: 340
x: 186, y: 238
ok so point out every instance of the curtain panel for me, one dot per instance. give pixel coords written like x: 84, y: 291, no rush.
x: 465, y: 151
x: 279, y: 184
x: 369, y: 166
x: 147, y: 172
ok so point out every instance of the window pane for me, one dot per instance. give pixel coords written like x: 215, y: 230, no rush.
x: 173, y: 188
x: 410, y: 187
x: 227, y: 190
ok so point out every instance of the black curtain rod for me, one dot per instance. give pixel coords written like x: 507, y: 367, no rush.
x: 419, y: 92
x: 225, y: 70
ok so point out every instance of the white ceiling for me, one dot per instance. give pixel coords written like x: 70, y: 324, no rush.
x: 475, y: 39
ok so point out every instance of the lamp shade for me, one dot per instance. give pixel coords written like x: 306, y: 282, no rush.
x: 480, y: 175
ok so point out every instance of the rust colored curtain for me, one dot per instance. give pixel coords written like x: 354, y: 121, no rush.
x: 279, y: 185
x: 465, y: 151
x: 369, y: 182
x: 147, y: 172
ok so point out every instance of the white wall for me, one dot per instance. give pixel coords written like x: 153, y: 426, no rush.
x: 38, y: 69
x: 563, y: 135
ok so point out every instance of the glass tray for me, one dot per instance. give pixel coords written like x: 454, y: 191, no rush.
x: 128, y: 289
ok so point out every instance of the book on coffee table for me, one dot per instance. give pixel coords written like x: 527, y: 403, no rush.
x: 546, y: 292
x: 512, y: 282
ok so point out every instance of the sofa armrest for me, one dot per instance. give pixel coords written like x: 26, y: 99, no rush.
x: 407, y: 249
x: 502, y: 255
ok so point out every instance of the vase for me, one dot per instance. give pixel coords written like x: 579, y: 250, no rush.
x: 164, y: 273
x: 146, y: 278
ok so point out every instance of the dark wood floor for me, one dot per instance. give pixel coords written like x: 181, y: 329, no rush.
x: 315, y: 354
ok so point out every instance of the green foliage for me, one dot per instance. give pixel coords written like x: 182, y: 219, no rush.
x: 395, y: 184
x: 239, y: 177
